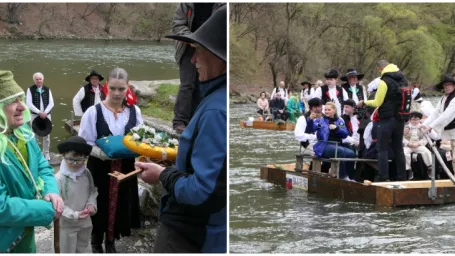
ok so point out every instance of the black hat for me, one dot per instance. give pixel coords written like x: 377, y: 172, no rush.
x: 76, y: 144
x: 447, y: 78
x: 331, y: 73
x: 416, y: 114
x: 94, y: 73
x: 314, y: 102
x: 42, y: 127
x: 351, y: 72
x: 306, y: 82
x: 211, y: 35
x: 350, y: 102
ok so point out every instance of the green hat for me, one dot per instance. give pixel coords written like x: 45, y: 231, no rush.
x: 8, y: 87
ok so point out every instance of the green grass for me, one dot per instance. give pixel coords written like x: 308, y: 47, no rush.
x: 161, y: 106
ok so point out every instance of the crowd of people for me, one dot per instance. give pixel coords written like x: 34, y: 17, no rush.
x: 90, y: 206
x: 385, y: 121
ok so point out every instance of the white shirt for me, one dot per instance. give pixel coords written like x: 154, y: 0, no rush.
x: 299, y: 131
x: 306, y: 94
x: 355, y: 135
x: 80, y: 96
x: 33, y: 108
x: 440, y: 119
x: 333, y: 96
x: 415, y: 91
x: 117, y: 127
x: 284, y: 94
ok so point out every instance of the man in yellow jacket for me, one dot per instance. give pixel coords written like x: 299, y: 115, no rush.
x: 391, y: 128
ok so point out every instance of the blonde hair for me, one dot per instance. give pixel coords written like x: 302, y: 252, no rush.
x: 334, y: 106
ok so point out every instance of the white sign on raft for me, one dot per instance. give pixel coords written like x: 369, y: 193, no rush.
x: 299, y: 182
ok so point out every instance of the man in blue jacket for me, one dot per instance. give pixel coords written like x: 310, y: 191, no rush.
x: 193, y: 212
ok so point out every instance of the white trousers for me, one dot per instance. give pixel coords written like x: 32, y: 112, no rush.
x: 46, y: 139
x: 425, y: 152
x: 75, y: 239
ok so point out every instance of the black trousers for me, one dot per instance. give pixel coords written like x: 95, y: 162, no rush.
x: 188, y: 96
x: 170, y: 241
x: 390, y: 130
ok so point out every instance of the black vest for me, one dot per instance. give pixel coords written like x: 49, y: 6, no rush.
x: 392, y: 99
x: 89, y: 98
x: 36, y: 100
x: 347, y: 121
x: 102, y: 129
x: 326, y: 98
x: 451, y: 125
x: 359, y: 93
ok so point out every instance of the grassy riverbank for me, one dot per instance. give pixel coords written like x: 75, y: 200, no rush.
x: 162, y: 105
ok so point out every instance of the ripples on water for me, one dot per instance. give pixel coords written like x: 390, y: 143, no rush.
x: 265, y: 218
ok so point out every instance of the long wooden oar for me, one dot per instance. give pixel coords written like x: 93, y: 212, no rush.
x: 438, y: 156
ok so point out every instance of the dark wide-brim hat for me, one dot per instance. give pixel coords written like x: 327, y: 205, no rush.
x: 42, y: 127
x: 94, y: 73
x: 76, y: 144
x: 332, y: 73
x: 352, y: 72
x: 306, y: 82
x: 447, y: 78
x: 210, y: 35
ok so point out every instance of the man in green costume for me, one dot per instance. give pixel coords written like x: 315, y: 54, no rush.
x: 28, y: 190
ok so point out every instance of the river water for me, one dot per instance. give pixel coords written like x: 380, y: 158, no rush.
x: 66, y: 63
x: 266, y: 218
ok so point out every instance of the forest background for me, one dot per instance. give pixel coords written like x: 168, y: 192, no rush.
x: 294, y: 42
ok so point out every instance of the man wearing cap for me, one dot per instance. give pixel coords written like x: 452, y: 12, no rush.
x: 29, y: 194
x: 442, y: 119
x: 90, y: 94
x: 187, y: 19
x: 330, y: 91
x: 304, y: 133
x: 193, y: 213
x: 40, y: 102
x: 390, y: 128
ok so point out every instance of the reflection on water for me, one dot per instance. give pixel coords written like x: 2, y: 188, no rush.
x: 270, y: 219
x: 66, y: 63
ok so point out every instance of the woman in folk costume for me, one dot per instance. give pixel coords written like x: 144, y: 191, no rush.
x: 28, y: 190
x: 118, y: 212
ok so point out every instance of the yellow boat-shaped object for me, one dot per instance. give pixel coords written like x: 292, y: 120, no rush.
x: 144, y: 149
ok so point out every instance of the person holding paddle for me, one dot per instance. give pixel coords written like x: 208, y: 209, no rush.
x: 29, y: 194
x: 442, y: 119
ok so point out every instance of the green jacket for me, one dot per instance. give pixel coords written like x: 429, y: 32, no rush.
x: 18, y: 206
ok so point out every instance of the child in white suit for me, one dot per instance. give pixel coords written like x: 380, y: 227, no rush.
x: 79, y: 194
x: 415, y: 141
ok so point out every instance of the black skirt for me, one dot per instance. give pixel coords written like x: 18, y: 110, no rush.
x: 128, y: 210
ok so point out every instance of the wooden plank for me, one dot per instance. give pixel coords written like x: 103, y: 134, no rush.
x: 264, y: 173
x: 415, y: 184
x: 269, y: 125
x: 384, y: 196
x: 317, y: 164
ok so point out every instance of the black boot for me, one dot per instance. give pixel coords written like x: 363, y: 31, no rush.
x: 97, y: 242
x: 110, y: 246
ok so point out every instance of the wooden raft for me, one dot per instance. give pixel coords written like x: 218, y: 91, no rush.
x: 390, y: 194
x: 268, y: 125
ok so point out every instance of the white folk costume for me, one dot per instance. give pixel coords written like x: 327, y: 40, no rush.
x: 88, y: 95
x: 282, y: 91
x: 77, y: 190
x: 416, y: 135
x: 442, y: 119
x: 115, y: 217
x: 39, y: 99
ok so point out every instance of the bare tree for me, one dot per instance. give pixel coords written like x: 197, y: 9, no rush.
x: 13, y: 12
x: 107, y: 13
